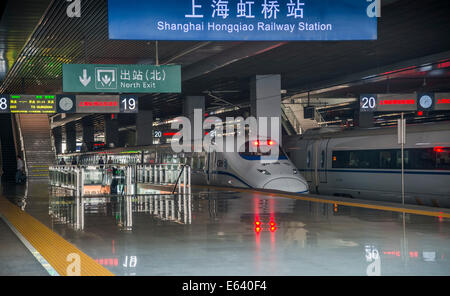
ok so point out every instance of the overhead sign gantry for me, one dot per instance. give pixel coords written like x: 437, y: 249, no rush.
x: 242, y: 20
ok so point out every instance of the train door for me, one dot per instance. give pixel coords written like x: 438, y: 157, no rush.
x: 322, y: 160
x: 315, y: 164
x: 309, y: 156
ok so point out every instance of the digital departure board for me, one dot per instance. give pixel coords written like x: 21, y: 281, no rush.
x: 47, y: 104
x: 404, y: 102
x: 32, y: 104
x: 441, y: 101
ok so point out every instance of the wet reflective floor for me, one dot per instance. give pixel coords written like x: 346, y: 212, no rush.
x: 235, y: 233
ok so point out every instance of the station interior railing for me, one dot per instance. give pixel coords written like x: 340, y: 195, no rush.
x: 127, y: 188
x: 121, y: 179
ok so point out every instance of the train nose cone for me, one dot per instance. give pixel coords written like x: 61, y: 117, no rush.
x: 287, y: 184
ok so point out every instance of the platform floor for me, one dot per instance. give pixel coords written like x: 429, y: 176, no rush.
x: 15, y: 258
x: 220, y: 235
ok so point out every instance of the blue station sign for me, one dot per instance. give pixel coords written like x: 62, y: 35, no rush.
x: 242, y: 20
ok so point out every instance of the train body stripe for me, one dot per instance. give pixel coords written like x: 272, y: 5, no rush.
x: 409, y: 172
x: 233, y: 176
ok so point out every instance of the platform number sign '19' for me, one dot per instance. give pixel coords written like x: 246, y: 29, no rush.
x: 4, y: 104
x: 129, y: 104
x: 368, y: 103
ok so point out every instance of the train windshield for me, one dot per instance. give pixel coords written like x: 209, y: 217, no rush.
x: 256, y: 155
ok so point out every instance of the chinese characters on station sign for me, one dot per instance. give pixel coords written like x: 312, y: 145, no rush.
x: 121, y: 78
x: 257, y: 20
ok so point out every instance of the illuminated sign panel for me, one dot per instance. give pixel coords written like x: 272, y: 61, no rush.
x: 441, y: 101
x: 396, y: 102
x: 91, y: 78
x: 32, y: 104
x: 97, y: 104
x: 241, y: 20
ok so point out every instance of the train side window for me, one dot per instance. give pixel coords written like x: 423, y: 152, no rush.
x: 442, y: 158
x: 340, y: 159
x: 387, y: 160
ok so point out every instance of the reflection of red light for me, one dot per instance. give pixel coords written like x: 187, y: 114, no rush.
x: 438, y: 149
x: 414, y: 254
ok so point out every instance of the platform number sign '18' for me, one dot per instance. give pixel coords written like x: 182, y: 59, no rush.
x: 4, y: 104
x: 368, y: 103
x: 129, y: 104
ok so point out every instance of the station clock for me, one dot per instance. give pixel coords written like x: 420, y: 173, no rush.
x: 425, y: 101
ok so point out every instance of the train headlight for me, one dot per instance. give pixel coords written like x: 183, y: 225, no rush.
x: 265, y: 172
x: 295, y: 171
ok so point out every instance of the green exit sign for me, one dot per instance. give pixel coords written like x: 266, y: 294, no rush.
x: 121, y: 78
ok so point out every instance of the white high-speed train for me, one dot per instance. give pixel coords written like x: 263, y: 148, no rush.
x: 366, y: 163
x: 231, y: 169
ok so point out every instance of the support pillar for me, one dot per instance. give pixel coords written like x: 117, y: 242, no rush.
x: 57, y: 136
x: 144, y: 128
x: 111, y: 130
x: 88, y: 133
x: 265, y: 101
x: 192, y: 105
x: 365, y: 119
x: 71, y: 137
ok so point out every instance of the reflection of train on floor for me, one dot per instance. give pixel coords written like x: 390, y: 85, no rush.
x: 366, y: 163
x: 244, y: 169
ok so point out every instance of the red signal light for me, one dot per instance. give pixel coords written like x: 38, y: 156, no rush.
x: 256, y: 143
x: 257, y: 229
x: 420, y: 113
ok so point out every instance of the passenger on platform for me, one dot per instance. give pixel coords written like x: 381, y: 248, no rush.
x: 62, y: 162
x: 101, y: 162
x: 20, y: 167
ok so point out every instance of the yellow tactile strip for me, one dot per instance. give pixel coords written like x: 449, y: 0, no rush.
x: 60, y: 254
x: 443, y: 214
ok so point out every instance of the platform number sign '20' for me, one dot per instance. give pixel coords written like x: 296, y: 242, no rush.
x: 129, y: 104
x: 368, y: 103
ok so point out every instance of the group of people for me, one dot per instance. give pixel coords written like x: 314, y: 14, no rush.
x: 74, y: 162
